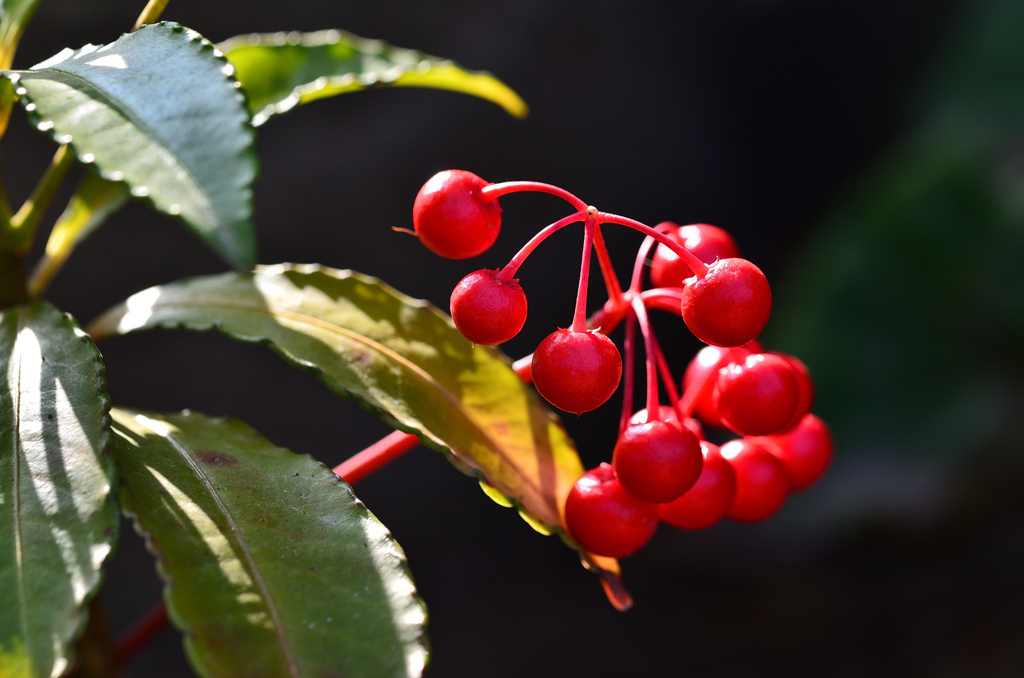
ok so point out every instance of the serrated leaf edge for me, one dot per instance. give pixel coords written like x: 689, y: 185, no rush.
x: 179, y: 621
x: 107, y: 460
x: 598, y: 563
x: 117, y: 176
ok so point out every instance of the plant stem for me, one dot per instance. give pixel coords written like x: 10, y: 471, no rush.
x: 12, y: 279
x: 665, y: 299
x: 151, y: 13
x: 666, y: 377
x: 509, y: 272
x: 699, y: 268
x: 579, y: 321
x: 629, y: 373
x: 94, y: 201
x: 495, y: 191
x: 24, y: 223
x: 698, y: 387
x: 143, y: 631
x: 650, y: 360
x: 524, y: 369
x: 611, y: 281
x: 385, y: 450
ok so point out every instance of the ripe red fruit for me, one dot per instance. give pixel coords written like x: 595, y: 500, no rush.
x: 729, y: 305
x: 452, y: 218
x: 761, y: 482
x: 758, y: 396
x: 604, y: 518
x: 707, y: 360
x: 669, y: 414
x: 806, y: 386
x: 576, y: 371
x: 707, y: 242
x: 706, y: 502
x: 657, y: 461
x: 486, y: 310
x: 805, y: 451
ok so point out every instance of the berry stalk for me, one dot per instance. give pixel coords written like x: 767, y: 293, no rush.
x: 653, y: 406
x: 385, y: 450
x: 509, y: 272
x: 698, y: 387
x: 629, y: 376
x: 698, y: 267
x: 495, y: 191
x: 579, y: 321
x: 141, y: 632
x: 611, y: 281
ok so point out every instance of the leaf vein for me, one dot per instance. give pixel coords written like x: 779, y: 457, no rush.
x: 257, y: 574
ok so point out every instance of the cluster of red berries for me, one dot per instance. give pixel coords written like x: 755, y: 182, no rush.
x: 663, y: 469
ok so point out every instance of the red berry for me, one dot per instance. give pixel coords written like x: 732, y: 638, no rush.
x: 758, y: 396
x: 657, y: 461
x: 805, y: 451
x: 706, y: 361
x: 707, y: 242
x: 706, y: 502
x: 486, y: 310
x: 576, y: 371
x: 452, y: 218
x: 761, y: 482
x: 604, y: 518
x: 803, y: 379
x: 669, y: 414
x: 729, y: 305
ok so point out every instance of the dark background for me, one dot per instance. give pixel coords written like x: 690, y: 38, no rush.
x: 862, y: 157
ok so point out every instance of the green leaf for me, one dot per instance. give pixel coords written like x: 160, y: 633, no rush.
x: 14, y: 16
x: 58, y: 522
x: 159, y: 110
x: 280, y: 71
x: 398, y: 356
x: 273, y: 566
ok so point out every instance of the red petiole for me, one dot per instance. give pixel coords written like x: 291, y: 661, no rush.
x: 495, y: 191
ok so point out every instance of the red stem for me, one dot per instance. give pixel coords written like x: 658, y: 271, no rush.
x: 509, y: 272
x: 388, y: 448
x: 524, y: 369
x: 611, y: 281
x: 665, y: 299
x: 495, y: 191
x: 666, y: 378
x: 579, y: 320
x: 628, y: 379
x: 143, y: 631
x: 699, y: 268
x: 653, y: 406
x: 698, y: 387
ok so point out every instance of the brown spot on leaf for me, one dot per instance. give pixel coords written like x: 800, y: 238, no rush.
x: 216, y: 459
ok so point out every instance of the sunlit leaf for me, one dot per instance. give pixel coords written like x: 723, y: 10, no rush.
x: 280, y: 71
x: 57, y: 521
x: 273, y: 566
x: 398, y: 356
x: 14, y: 15
x: 159, y: 110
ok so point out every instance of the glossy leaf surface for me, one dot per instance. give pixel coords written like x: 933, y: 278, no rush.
x: 273, y: 566
x: 159, y: 110
x: 398, y: 356
x: 280, y: 71
x: 57, y: 521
